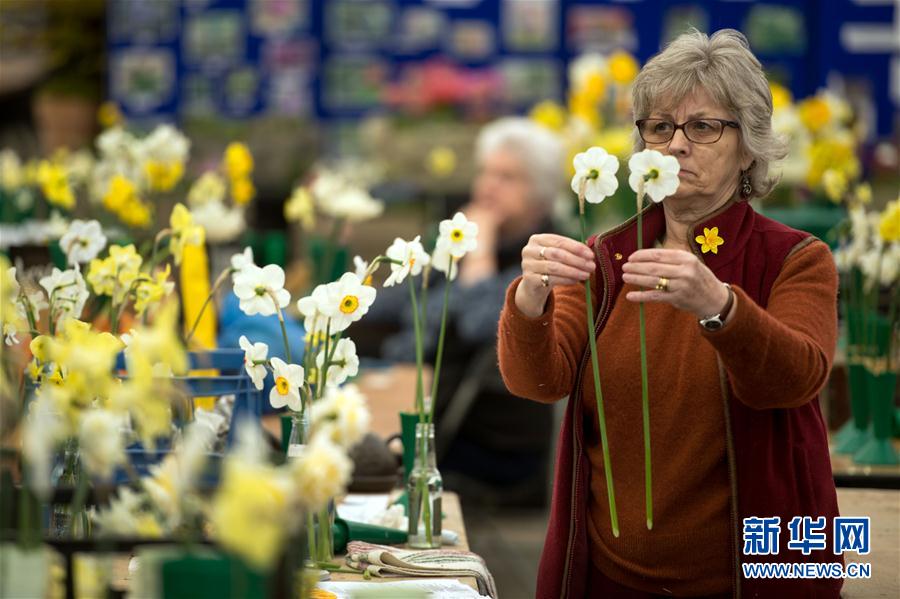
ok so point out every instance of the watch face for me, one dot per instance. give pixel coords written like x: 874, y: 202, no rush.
x: 713, y: 324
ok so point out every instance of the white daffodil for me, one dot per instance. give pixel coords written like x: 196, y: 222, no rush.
x: 361, y: 267
x: 242, y: 260
x: 166, y: 144
x: 35, y: 303
x: 353, y: 204
x: 344, y: 362
x: 220, y: 222
x: 655, y: 172
x: 412, y: 258
x: 320, y: 473
x: 83, y: 241
x: 309, y: 307
x: 459, y: 234
x: 100, y: 444
x: 260, y: 288
x: 10, y: 332
x: 342, y: 415
x: 595, y: 174
x: 255, y: 356
x: 288, y: 380
x: 345, y: 301
x: 881, y: 263
x: 67, y: 292
x: 442, y: 260
x: 42, y: 430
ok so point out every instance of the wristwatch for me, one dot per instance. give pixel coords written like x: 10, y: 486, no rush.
x: 717, y: 321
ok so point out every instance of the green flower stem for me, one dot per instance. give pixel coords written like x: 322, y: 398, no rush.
x: 219, y: 281
x: 420, y: 407
x: 156, y: 241
x: 324, y: 532
x: 645, y: 393
x: 440, y: 346
x: 607, y: 466
x: 284, y: 335
x: 892, y: 321
x: 81, y: 491
x: 322, y: 377
x: 311, y: 535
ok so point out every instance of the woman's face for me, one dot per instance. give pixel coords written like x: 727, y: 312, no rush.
x: 709, y: 172
x: 502, y: 186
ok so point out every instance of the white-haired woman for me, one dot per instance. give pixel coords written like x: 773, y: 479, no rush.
x: 500, y: 451
x: 741, y: 329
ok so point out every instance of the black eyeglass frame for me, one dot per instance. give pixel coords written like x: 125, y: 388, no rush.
x: 724, y: 122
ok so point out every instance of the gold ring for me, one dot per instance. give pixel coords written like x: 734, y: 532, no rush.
x: 545, y: 280
x: 663, y: 284
x: 541, y: 254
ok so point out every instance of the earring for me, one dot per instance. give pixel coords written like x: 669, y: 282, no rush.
x: 746, y: 188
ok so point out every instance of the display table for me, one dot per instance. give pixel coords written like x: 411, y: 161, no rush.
x: 848, y: 473
x: 453, y: 520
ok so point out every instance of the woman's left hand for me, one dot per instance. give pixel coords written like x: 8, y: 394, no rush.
x: 691, y: 286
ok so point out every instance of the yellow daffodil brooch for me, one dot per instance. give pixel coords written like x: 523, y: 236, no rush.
x: 710, y: 240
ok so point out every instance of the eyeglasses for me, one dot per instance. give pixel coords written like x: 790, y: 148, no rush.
x: 699, y: 131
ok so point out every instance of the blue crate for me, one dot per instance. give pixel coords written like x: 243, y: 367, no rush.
x: 231, y: 380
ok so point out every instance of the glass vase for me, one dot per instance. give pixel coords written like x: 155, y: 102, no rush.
x: 424, y: 489
x: 299, y: 433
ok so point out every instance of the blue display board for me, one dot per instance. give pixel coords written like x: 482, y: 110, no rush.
x: 334, y: 59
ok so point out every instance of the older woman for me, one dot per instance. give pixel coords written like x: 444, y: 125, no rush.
x: 499, y: 448
x: 740, y: 341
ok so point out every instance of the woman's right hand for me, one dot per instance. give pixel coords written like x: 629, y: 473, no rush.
x: 549, y: 260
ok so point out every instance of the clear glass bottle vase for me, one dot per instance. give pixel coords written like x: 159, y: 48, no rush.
x: 424, y: 489
x: 299, y: 433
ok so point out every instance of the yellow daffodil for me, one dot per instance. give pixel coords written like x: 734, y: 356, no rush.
x: 835, y: 184
x: 151, y: 290
x: 120, y: 192
x: 889, y: 224
x: 109, y: 115
x: 163, y: 176
x: 301, y: 208
x: 184, y: 232
x: 242, y: 190
x: 616, y: 140
x: 54, y: 184
x: 238, y: 161
x: 549, y: 114
x: 441, y: 161
x: 249, y: 511
x: 781, y: 96
x: 594, y: 87
x: 862, y: 194
x: 835, y: 152
x: 210, y: 187
x: 12, y: 176
x: 815, y: 113
x: 623, y: 68
x: 40, y: 347
x: 584, y: 106
x: 710, y: 240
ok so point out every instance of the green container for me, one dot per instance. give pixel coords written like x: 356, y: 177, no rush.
x: 210, y: 576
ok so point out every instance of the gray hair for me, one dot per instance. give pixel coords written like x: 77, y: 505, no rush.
x: 539, y: 149
x: 727, y: 70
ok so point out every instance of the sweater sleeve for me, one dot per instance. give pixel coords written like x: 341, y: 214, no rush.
x: 539, y: 357
x: 780, y: 357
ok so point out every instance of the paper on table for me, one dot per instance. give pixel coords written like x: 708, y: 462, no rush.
x: 445, y: 588
x: 363, y: 507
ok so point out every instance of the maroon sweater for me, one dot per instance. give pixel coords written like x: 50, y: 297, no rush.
x: 769, y: 362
